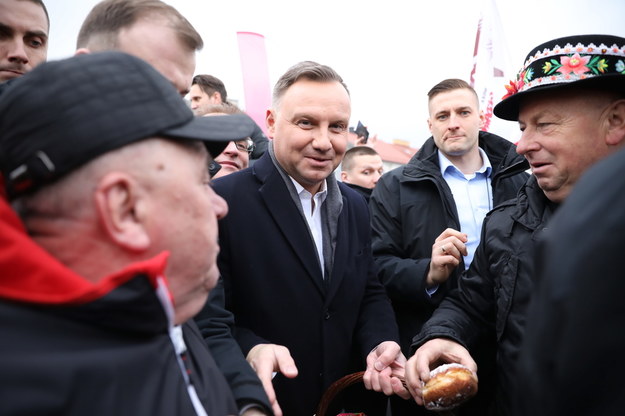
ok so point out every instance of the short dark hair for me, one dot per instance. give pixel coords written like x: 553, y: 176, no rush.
x: 209, y: 84
x: 449, y: 85
x: 100, y: 30
x: 305, y: 70
x: 348, y: 159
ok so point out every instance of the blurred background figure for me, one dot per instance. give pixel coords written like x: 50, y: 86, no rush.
x: 206, y: 91
x: 361, y: 168
x: 236, y: 155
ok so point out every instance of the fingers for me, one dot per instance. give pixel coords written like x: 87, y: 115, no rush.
x: 451, y: 242
x: 385, y: 363
x: 450, y: 232
x: 265, y: 359
x: 430, y: 355
x: 447, y: 252
x: 400, y: 389
x: 413, y: 380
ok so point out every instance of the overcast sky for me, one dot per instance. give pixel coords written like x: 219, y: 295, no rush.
x: 390, y: 52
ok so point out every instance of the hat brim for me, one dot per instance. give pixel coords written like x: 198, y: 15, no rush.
x: 216, y: 132
x: 508, y: 108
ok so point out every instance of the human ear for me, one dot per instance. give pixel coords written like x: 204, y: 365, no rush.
x: 271, y: 123
x: 121, y: 208
x: 615, y: 134
x: 82, y: 51
x: 343, y: 176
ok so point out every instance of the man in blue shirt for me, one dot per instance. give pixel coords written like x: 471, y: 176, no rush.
x: 427, y: 215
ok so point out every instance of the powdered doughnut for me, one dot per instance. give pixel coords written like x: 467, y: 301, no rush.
x: 449, y: 386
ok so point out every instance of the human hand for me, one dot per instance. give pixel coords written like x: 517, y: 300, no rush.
x: 266, y: 359
x: 430, y: 355
x: 447, y: 251
x: 385, y: 370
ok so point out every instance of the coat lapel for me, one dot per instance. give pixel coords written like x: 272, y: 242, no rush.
x: 288, y: 218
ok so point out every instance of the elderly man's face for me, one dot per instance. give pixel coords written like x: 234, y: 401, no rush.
x: 563, y: 135
x: 310, y: 129
x: 23, y: 37
x: 183, y: 211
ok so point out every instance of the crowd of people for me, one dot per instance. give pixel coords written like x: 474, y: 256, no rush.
x: 163, y: 255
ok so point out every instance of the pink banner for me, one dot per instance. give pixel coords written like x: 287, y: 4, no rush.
x: 256, y: 84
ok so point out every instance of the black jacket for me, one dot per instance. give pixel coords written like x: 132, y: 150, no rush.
x: 492, y: 297
x: 571, y: 359
x: 410, y: 207
x: 216, y: 324
x: 365, y: 192
x: 69, y: 347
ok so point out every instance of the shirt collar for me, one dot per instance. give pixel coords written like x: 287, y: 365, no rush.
x: 320, y: 195
x: 446, y: 164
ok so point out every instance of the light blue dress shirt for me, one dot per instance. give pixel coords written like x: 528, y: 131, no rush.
x: 473, y: 196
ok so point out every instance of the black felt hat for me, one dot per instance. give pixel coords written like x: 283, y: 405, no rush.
x: 63, y: 114
x: 597, y: 60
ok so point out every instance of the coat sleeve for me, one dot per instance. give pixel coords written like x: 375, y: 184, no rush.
x: 216, y: 325
x: 467, y: 314
x: 376, y: 321
x: 403, y: 276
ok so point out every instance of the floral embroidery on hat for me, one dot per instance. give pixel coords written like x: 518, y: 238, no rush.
x: 576, y: 64
x: 515, y: 86
x: 567, y: 64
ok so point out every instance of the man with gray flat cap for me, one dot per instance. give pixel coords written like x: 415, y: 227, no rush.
x: 569, y: 101
x: 108, y: 170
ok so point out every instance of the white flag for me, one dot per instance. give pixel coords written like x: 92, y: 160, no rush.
x: 490, y: 70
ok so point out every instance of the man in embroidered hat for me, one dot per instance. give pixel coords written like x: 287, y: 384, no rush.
x: 108, y: 169
x: 569, y: 100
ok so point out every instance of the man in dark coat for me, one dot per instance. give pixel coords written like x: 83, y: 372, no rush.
x: 420, y: 208
x: 96, y: 153
x: 570, y: 362
x: 311, y: 286
x: 157, y: 33
x: 570, y: 114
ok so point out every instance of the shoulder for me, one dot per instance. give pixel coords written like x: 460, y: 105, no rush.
x: 392, y: 177
x: 350, y: 194
x: 503, y: 211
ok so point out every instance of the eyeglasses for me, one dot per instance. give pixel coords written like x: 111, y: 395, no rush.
x: 245, y: 145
